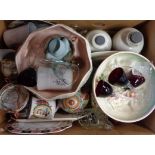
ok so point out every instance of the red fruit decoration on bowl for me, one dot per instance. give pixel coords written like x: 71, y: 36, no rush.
x: 103, y: 89
x: 118, y: 76
x: 136, y: 80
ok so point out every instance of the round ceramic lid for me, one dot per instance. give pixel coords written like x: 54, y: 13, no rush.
x: 100, y: 40
x: 13, y: 97
x: 136, y: 37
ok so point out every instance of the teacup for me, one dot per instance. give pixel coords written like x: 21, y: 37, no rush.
x: 43, y: 109
x: 58, y: 75
x: 58, y: 48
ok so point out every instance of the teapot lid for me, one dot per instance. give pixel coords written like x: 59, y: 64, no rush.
x: 135, y: 37
x: 99, y: 40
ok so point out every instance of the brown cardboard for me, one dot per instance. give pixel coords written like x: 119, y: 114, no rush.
x: 2, y: 116
x: 148, y: 29
x: 99, y: 24
x: 2, y: 27
x: 149, y: 122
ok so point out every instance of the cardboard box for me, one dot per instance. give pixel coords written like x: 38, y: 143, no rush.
x: 147, y: 28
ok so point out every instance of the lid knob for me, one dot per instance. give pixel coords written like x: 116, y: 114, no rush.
x: 99, y: 40
x: 136, y: 37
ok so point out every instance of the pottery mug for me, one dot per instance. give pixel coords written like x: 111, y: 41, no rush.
x: 43, y: 109
x: 58, y: 75
x: 58, y: 48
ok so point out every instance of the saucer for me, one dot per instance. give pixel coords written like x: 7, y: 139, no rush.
x: 101, y: 55
x: 34, y: 128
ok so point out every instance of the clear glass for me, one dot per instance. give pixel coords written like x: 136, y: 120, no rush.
x: 95, y: 118
x: 60, y: 68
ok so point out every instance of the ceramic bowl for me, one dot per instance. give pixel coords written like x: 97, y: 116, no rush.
x: 142, y: 104
x: 33, y: 50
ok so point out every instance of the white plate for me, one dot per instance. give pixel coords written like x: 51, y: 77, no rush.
x: 38, y: 127
x: 57, y: 117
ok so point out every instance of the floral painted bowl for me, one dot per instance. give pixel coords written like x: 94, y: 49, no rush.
x: 122, y: 105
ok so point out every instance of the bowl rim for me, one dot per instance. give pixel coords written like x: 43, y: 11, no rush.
x: 95, y: 97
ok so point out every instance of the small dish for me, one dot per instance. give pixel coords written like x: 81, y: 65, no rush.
x: 13, y: 98
x: 131, y: 108
x: 101, y: 55
x: 38, y: 127
x: 57, y: 117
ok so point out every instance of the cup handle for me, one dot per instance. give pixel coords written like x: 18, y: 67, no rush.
x: 57, y: 108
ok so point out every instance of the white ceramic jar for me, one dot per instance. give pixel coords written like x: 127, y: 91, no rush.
x: 99, y: 40
x: 128, y: 39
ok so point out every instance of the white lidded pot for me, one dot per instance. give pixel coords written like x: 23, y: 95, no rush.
x: 99, y: 40
x: 128, y: 39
